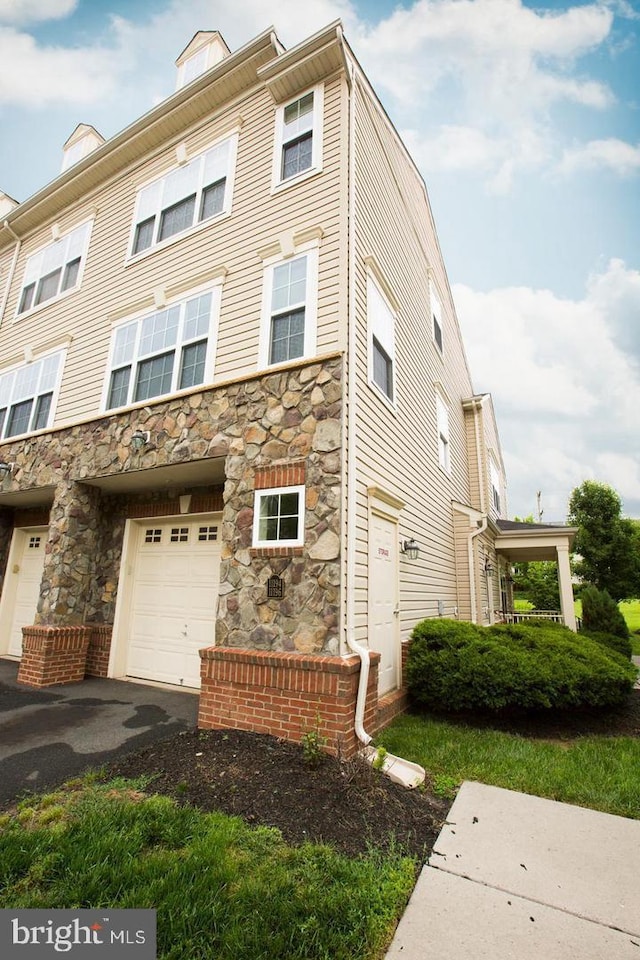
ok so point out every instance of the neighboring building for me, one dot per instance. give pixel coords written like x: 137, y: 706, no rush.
x: 233, y: 391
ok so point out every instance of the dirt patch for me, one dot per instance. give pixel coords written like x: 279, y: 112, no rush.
x: 267, y: 781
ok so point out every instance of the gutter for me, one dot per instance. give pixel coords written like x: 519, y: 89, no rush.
x: 397, y: 769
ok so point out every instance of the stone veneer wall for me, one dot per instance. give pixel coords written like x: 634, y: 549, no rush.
x: 264, y: 420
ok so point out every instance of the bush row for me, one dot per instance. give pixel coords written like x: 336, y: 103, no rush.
x: 456, y: 665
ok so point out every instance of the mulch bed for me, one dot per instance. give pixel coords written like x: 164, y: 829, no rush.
x: 347, y: 804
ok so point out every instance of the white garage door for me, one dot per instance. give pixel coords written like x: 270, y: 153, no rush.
x: 174, y: 598
x: 22, y: 583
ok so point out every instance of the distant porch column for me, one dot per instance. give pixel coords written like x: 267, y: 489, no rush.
x: 564, y: 584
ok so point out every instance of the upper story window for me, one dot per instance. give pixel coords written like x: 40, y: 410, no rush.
x: 289, y: 309
x: 299, y: 136
x: 191, y: 194
x: 27, y: 395
x: 494, y: 475
x: 162, y: 352
x: 55, y: 269
x: 442, y: 417
x: 436, y: 318
x: 381, y: 323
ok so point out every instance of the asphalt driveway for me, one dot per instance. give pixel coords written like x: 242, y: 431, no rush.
x: 52, y: 734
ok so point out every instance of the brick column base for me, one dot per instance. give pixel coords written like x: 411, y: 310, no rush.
x: 99, y: 648
x: 286, y: 695
x: 53, y: 655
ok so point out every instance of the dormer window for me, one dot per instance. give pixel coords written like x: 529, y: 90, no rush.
x: 206, y: 49
x: 83, y: 141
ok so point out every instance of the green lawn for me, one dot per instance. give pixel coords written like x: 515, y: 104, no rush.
x: 222, y: 890
x: 597, y: 772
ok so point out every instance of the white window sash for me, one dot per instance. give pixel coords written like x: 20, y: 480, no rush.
x: 310, y: 305
x: 278, y: 491
x: 31, y: 381
x: 55, y: 256
x: 381, y: 327
x: 285, y: 133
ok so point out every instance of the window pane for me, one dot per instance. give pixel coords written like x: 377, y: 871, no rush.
x: 437, y: 334
x: 19, y: 418
x: 43, y: 406
x: 26, y: 382
x: 268, y: 528
x: 298, y: 116
x: 124, y: 345
x: 49, y: 373
x: 289, y: 504
x: 70, y: 276
x: 297, y: 156
x: 119, y: 388
x: 159, y: 331
x: 178, y: 217
x: 212, y: 200
x: 3, y: 417
x: 48, y: 286
x: 154, y: 377
x: 196, y: 319
x: 26, y: 299
x: 289, y: 284
x: 287, y: 337
x: 144, y: 235
x: 382, y: 370
x: 193, y: 358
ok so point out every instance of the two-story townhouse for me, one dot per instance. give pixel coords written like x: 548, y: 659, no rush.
x: 240, y: 446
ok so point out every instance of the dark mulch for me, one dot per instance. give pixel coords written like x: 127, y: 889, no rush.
x: 267, y: 781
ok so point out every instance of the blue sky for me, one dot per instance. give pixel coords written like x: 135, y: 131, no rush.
x: 525, y: 122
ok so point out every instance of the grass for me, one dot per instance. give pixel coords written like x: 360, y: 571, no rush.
x: 596, y: 772
x: 630, y: 610
x: 222, y: 889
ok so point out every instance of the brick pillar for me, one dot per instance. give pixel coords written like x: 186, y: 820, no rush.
x: 52, y: 655
x: 285, y: 694
x: 71, y: 554
x: 99, y: 647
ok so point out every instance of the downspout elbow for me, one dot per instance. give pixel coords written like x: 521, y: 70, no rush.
x: 363, y: 685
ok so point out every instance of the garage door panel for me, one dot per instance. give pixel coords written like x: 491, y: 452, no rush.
x: 174, y: 600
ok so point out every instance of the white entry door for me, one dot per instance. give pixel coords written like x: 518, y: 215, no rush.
x: 174, y: 598
x: 384, y: 634
x: 22, y: 584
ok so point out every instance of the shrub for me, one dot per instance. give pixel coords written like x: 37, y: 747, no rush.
x: 601, y: 614
x: 621, y: 645
x: 460, y: 666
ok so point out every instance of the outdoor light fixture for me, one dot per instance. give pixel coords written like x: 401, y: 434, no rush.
x: 411, y: 548
x: 139, y: 439
x: 6, y: 470
x: 488, y: 566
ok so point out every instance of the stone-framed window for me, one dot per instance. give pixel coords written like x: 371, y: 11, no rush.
x: 191, y: 195
x: 162, y: 352
x: 28, y: 395
x: 381, y: 335
x: 279, y: 517
x: 54, y: 270
x: 289, y: 309
x: 298, y: 137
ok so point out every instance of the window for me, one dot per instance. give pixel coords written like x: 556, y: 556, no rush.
x: 436, y: 318
x: 495, y: 485
x: 191, y: 194
x: 279, y: 517
x: 27, y: 396
x: 165, y: 351
x: 54, y: 269
x: 442, y: 414
x: 289, y: 310
x: 299, y: 136
x: 381, y: 340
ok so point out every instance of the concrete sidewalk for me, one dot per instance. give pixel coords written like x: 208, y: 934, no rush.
x: 514, y: 877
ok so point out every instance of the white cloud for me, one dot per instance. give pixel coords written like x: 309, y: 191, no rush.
x: 33, y: 11
x: 616, y: 155
x: 565, y: 378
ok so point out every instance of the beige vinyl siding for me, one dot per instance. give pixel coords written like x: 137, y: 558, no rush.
x: 115, y: 287
x: 397, y: 450
x: 461, y: 530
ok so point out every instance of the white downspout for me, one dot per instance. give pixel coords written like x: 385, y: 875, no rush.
x: 12, y: 268
x: 472, y: 569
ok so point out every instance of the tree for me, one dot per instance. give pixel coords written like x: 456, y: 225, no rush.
x: 607, y: 543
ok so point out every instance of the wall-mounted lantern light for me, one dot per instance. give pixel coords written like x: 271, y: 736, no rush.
x: 6, y: 470
x: 140, y: 439
x: 410, y: 548
x: 488, y: 566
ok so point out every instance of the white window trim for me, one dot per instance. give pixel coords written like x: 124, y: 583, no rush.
x: 274, y: 491
x: 443, y: 433
x: 277, y: 183
x: 20, y: 315
x: 385, y: 339
x: 232, y: 138
x: 495, y: 486
x: 436, y: 317
x: 55, y: 393
x: 310, y: 251
x: 216, y: 292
